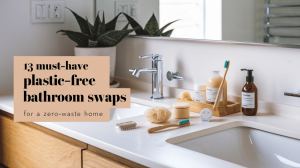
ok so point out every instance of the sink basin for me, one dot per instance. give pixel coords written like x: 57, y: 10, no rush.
x: 247, y: 147
x: 122, y: 113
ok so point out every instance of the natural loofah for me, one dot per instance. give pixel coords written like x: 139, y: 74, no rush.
x: 157, y: 114
x: 185, y: 96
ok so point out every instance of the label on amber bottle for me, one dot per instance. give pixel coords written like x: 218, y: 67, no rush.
x: 248, y: 100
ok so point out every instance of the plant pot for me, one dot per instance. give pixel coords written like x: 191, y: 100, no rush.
x: 100, y: 51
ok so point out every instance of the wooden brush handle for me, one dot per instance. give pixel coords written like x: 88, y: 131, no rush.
x: 150, y: 130
x: 217, y: 101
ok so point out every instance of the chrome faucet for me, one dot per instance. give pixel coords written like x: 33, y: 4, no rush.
x: 157, y: 74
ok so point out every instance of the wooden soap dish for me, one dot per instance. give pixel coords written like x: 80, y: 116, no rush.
x: 223, y: 110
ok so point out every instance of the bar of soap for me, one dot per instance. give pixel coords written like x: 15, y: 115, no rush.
x: 158, y: 114
x: 185, y: 96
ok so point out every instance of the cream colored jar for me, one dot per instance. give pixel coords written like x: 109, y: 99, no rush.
x: 200, y: 93
x: 181, y: 110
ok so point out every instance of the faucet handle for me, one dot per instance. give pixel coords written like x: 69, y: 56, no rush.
x: 153, y: 56
x: 175, y: 75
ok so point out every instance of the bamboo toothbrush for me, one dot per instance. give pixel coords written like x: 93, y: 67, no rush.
x: 217, y: 101
x: 181, y: 123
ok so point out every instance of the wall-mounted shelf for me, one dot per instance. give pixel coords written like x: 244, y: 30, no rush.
x: 293, y: 94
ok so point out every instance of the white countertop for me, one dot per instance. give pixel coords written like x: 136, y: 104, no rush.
x: 152, y: 150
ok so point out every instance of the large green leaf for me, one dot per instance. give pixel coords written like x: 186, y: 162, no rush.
x: 112, y: 24
x: 160, y: 31
x: 113, y: 37
x: 152, y: 25
x: 100, y: 30
x: 90, y: 30
x: 79, y: 38
x: 126, y: 26
x: 100, y: 26
x: 146, y: 32
x: 134, y: 23
x: 97, y: 25
x: 167, y: 33
x: 103, y: 18
x: 82, y: 23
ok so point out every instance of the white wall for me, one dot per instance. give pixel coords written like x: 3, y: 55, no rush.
x: 18, y: 37
x: 146, y: 9
x: 275, y: 69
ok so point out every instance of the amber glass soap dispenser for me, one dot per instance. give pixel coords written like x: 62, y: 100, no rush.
x: 249, y: 95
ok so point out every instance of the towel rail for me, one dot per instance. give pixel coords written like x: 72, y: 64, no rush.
x: 282, y: 16
x: 268, y: 16
x: 283, y: 26
x: 282, y: 36
x: 280, y: 6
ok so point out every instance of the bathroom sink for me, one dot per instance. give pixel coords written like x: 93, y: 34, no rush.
x: 245, y: 146
x: 122, y: 113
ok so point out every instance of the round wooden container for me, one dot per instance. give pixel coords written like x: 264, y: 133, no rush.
x: 181, y: 110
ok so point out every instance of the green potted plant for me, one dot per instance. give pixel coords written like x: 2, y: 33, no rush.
x: 99, y: 39
x: 151, y: 28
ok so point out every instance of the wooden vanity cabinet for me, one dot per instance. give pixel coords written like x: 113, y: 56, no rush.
x: 93, y: 160
x: 28, y: 145
x: 24, y: 146
x: 99, y: 158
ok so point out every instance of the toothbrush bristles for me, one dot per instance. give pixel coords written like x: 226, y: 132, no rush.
x: 226, y: 64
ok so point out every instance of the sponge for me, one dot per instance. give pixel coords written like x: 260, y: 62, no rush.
x: 185, y: 96
x: 157, y: 114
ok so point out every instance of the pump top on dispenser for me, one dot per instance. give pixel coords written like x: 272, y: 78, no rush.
x: 249, y: 95
x: 249, y: 77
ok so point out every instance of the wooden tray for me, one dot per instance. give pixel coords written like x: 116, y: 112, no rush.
x: 232, y: 107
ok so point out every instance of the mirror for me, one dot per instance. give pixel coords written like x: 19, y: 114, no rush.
x: 258, y: 21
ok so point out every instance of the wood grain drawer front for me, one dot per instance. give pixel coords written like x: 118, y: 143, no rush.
x: 22, y: 146
x: 93, y: 160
